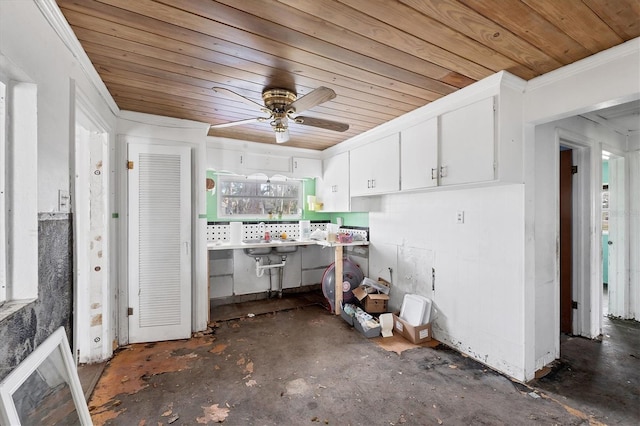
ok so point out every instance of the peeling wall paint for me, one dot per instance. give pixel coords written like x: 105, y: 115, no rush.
x: 23, y: 331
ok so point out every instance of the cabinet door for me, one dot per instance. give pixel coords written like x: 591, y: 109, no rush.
x: 419, y: 155
x: 245, y: 280
x: 224, y: 160
x: 467, y: 144
x: 360, y: 170
x: 267, y: 163
x: 334, y: 185
x: 375, y: 167
x: 315, y: 260
x: 306, y: 167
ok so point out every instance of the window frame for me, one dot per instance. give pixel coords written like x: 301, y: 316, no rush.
x: 260, y: 179
x: 19, y: 211
x: 3, y: 178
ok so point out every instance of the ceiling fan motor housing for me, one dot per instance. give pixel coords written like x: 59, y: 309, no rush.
x: 277, y: 100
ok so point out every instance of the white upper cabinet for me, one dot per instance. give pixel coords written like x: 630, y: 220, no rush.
x: 302, y: 167
x: 467, y: 144
x: 333, y: 188
x: 419, y: 155
x: 269, y: 163
x: 374, y: 168
x: 266, y: 163
x: 224, y: 160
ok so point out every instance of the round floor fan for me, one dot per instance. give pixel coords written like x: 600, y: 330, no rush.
x: 352, y: 277
x: 281, y: 105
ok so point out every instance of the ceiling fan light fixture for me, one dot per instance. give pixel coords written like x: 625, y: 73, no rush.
x: 281, y: 127
x: 282, y: 134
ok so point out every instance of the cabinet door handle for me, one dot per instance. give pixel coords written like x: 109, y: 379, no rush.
x: 368, y: 183
x: 373, y: 183
x: 434, y: 173
x: 241, y: 159
x: 443, y: 171
x: 295, y: 164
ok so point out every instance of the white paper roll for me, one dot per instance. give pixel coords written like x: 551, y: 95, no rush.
x: 236, y: 232
x: 305, y: 230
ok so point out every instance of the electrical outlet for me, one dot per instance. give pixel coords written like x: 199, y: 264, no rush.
x: 460, y: 217
x: 64, y: 201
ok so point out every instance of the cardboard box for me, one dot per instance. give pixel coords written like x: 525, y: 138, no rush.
x: 419, y: 334
x: 373, y: 303
x: 376, y: 303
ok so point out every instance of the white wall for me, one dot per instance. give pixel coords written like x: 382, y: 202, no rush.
x: 30, y: 42
x: 478, y: 265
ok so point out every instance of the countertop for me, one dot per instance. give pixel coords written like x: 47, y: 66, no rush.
x: 225, y: 245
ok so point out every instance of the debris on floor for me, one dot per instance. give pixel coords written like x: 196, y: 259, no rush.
x: 213, y: 414
x: 399, y: 344
x: 290, y: 367
x: 132, y: 368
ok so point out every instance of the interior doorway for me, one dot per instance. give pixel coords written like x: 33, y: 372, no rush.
x: 565, y: 175
x: 579, y: 284
x: 605, y: 233
x: 615, y: 250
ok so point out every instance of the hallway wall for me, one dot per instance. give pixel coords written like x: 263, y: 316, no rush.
x: 29, y: 42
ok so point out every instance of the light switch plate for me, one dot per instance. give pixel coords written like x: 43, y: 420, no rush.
x: 460, y: 217
x: 64, y: 201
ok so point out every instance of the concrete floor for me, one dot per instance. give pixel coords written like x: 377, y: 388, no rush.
x: 307, y: 366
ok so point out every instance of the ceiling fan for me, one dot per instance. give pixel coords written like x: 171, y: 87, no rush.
x: 281, y: 105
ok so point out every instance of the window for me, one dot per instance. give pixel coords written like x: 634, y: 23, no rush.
x: 18, y: 188
x: 259, y: 197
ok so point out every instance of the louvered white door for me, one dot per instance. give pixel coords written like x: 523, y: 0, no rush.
x: 159, y: 232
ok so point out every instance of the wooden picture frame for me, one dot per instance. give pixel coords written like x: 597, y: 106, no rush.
x: 45, y: 388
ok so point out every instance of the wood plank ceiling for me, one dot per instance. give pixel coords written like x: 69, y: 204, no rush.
x: 383, y: 58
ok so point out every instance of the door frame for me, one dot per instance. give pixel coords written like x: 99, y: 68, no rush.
x: 94, y: 301
x: 151, y: 133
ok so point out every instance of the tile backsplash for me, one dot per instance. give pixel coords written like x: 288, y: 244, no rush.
x: 222, y: 231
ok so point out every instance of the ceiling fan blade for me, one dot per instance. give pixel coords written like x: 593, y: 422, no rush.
x: 316, y: 97
x: 323, y: 124
x: 239, y: 122
x: 233, y: 95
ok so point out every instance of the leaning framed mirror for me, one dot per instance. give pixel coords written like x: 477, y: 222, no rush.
x: 44, y: 388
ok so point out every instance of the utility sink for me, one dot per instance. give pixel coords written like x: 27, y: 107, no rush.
x: 257, y: 251
x: 285, y: 249
x: 256, y: 241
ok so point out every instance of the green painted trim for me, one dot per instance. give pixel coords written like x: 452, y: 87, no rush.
x: 114, y: 215
x: 202, y: 216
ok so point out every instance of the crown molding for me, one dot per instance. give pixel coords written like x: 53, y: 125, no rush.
x: 56, y: 19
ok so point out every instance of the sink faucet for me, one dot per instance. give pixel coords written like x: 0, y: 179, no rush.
x: 264, y: 234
